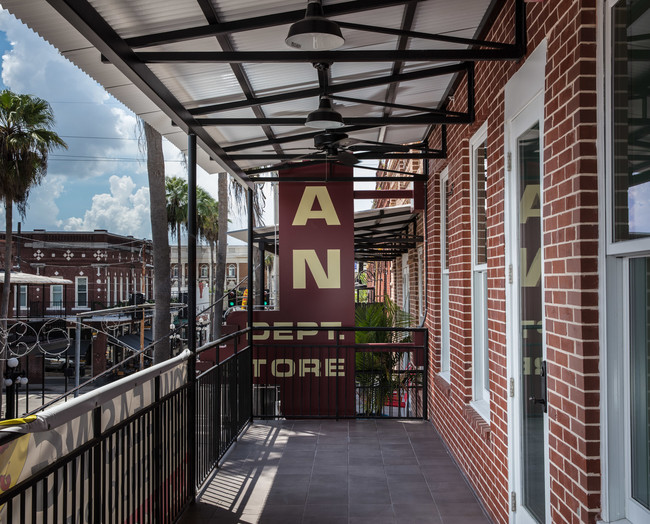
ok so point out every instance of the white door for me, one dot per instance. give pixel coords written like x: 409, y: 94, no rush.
x: 528, y: 422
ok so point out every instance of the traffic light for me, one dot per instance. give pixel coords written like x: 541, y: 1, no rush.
x: 232, y: 298
x: 135, y: 300
x: 266, y: 300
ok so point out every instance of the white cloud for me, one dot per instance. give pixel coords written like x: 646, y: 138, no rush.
x: 124, y: 211
x: 82, y: 108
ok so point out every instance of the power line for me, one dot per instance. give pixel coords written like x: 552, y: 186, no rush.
x: 98, y: 137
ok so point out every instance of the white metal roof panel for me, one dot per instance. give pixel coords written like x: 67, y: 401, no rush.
x: 193, y: 85
x: 141, y: 17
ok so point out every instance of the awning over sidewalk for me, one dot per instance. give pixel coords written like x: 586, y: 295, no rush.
x: 379, y: 234
x: 25, y: 278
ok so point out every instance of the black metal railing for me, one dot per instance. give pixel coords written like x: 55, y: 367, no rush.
x: 111, y: 462
x: 338, y: 378
x: 223, y: 397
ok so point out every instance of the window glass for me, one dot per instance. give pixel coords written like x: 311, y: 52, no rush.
x: 639, y: 378
x: 56, y: 295
x: 446, y: 191
x: 479, y: 285
x: 82, y: 292
x: 631, y: 119
x: 480, y: 216
x: 23, y: 297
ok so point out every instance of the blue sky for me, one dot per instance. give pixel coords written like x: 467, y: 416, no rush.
x: 100, y: 182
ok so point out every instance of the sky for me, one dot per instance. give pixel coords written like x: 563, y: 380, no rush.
x: 100, y: 181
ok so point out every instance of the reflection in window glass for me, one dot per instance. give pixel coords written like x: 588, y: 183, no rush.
x: 630, y: 94
x: 445, y: 189
x: 639, y: 380
x: 481, y: 216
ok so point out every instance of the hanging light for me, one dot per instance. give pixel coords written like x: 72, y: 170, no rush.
x: 315, y: 32
x: 324, y: 117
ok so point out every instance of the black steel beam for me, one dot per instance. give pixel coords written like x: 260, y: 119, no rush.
x: 420, y: 35
x: 363, y: 156
x: 285, y: 57
x: 262, y: 180
x: 85, y: 19
x: 336, y: 88
x: 396, y: 106
x: 238, y: 70
x: 415, y: 120
x: 258, y: 22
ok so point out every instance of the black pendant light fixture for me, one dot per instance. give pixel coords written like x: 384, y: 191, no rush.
x: 325, y: 117
x: 315, y: 32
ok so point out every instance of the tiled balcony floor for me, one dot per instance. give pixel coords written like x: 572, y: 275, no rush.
x: 358, y: 471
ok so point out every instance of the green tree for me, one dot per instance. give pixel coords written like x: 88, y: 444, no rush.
x: 176, y: 190
x: 208, y: 228
x: 375, y: 370
x: 26, y: 138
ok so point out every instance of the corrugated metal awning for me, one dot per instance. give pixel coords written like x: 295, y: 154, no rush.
x: 221, y: 69
x: 25, y: 278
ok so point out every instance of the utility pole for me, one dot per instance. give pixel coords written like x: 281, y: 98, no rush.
x: 142, y: 257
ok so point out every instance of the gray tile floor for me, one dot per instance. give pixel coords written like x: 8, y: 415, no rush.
x: 352, y: 472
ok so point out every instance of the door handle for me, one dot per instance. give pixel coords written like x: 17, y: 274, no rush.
x: 543, y: 400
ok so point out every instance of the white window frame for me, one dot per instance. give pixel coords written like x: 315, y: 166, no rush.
x: 622, y: 247
x: 54, y: 304
x: 480, y: 353
x: 445, y: 339
x: 233, y: 273
x: 203, y: 269
x: 614, y: 257
x: 77, y: 305
x: 20, y: 292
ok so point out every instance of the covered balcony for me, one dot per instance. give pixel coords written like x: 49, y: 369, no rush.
x: 293, y: 416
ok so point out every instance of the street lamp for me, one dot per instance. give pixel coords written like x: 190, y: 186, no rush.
x: 12, y: 380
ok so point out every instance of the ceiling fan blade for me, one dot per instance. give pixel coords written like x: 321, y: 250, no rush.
x: 388, y: 148
x: 288, y: 163
x: 291, y: 149
x: 346, y: 142
x: 347, y: 159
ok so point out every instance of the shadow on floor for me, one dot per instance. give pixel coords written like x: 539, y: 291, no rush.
x: 352, y: 472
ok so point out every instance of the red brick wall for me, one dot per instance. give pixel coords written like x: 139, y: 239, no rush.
x: 570, y: 281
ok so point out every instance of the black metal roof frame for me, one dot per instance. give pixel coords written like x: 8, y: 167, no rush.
x: 379, y: 234
x: 127, y: 55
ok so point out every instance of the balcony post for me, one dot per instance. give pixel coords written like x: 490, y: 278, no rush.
x: 191, y: 313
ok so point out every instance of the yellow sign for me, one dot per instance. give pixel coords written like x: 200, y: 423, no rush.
x: 12, y: 461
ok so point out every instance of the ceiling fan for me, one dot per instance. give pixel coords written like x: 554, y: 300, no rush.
x: 339, y: 147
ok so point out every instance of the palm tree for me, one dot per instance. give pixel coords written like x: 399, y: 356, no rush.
x: 161, y: 263
x: 375, y: 371
x: 176, y: 190
x: 26, y: 138
x: 208, y: 229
